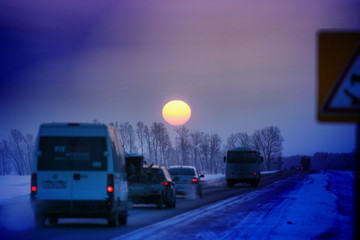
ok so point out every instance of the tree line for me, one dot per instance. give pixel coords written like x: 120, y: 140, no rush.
x: 203, y: 150
x: 16, y: 153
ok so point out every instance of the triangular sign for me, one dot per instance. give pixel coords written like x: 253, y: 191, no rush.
x: 344, y: 97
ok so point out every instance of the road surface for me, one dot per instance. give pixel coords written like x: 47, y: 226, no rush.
x: 140, y: 215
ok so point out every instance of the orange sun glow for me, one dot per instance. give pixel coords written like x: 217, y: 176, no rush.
x: 176, y: 112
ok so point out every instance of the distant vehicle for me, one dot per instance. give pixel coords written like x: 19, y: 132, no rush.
x: 79, y: 171
x: 134, y: 164
x: 243, y: 166
x: 306, y: 163
x: 153, y: 185
x: 187, y: 180
x: 299, y: 168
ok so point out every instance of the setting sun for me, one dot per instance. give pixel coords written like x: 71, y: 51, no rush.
x: 176, y: 112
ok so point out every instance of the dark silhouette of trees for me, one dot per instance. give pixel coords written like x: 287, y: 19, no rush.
x: 267, y: 140
x: 191, y: 147
x: 140, y: 132
x: 183, y: 143
x: 16, y: 153
x: 215, y: 158
x: 128, y: 136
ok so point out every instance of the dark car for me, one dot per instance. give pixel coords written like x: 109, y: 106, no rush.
x: 153, y: 185
x: 187, y: 180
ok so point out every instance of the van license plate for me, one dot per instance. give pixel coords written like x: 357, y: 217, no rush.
x: 54, y: 184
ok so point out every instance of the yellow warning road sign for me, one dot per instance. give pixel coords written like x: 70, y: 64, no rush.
x: 339, y: 76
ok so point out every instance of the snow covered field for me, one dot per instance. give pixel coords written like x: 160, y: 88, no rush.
x: 320, y: 207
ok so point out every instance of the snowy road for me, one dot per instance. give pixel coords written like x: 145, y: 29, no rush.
x: 317, y: 207
x: 303, y: 206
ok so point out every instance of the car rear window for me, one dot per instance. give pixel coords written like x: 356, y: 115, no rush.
x: 182, y: 171
x: 72, y: 153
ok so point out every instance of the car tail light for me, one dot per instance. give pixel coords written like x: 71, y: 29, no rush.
x: 34, y: 183
x: 194, y: 180
x: 254, y: 173
x: 165, y: 183
x: 110, y: 183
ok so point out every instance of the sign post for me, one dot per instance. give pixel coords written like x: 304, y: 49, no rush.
x: 339, y: 91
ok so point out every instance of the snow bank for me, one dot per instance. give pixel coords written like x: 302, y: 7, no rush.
x: 13, y: 186
x: 15, y: 208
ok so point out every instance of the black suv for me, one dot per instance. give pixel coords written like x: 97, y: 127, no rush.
x: 154, y: 185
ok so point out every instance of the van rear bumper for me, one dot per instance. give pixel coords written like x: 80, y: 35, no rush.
x: 74, y: 208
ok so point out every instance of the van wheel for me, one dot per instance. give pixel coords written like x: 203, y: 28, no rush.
x: 230, y: 183
x: 40, y: 221
x: 122, y: 218
x: 113, y: 219
x: 53, y: 220
x: 160, y: 202
x: 254, y: 183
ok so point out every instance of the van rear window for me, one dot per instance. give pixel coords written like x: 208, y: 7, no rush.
x: 72, y: 153
x: 242, y: 157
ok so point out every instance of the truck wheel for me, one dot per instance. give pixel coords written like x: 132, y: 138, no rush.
x: 160, y: 202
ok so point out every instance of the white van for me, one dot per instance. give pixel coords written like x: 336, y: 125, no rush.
x: 79, y: 171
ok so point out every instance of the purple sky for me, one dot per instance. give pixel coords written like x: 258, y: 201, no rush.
x: 240, y: 65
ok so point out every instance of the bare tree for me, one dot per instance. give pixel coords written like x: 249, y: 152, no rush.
x: 164, y: 143
x: 205, y: 151
x: 215, y: 143
x: 231, y: 141
x: 140, y: 131
x: 155, y: 132
x: 183, y: 142
x: 269, y: 142
x: 195, y: 140
x: 244, y: 139
x: 4, y: 162
x: 148, y: 143
x: 17, y: 151
x: 128, y: 137
x: 29, y: 149
x: 238, y: 140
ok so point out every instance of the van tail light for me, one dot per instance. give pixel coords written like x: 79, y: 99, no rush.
x: 194, y: 180
x: 33, y: 183
x: 110, y: 183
